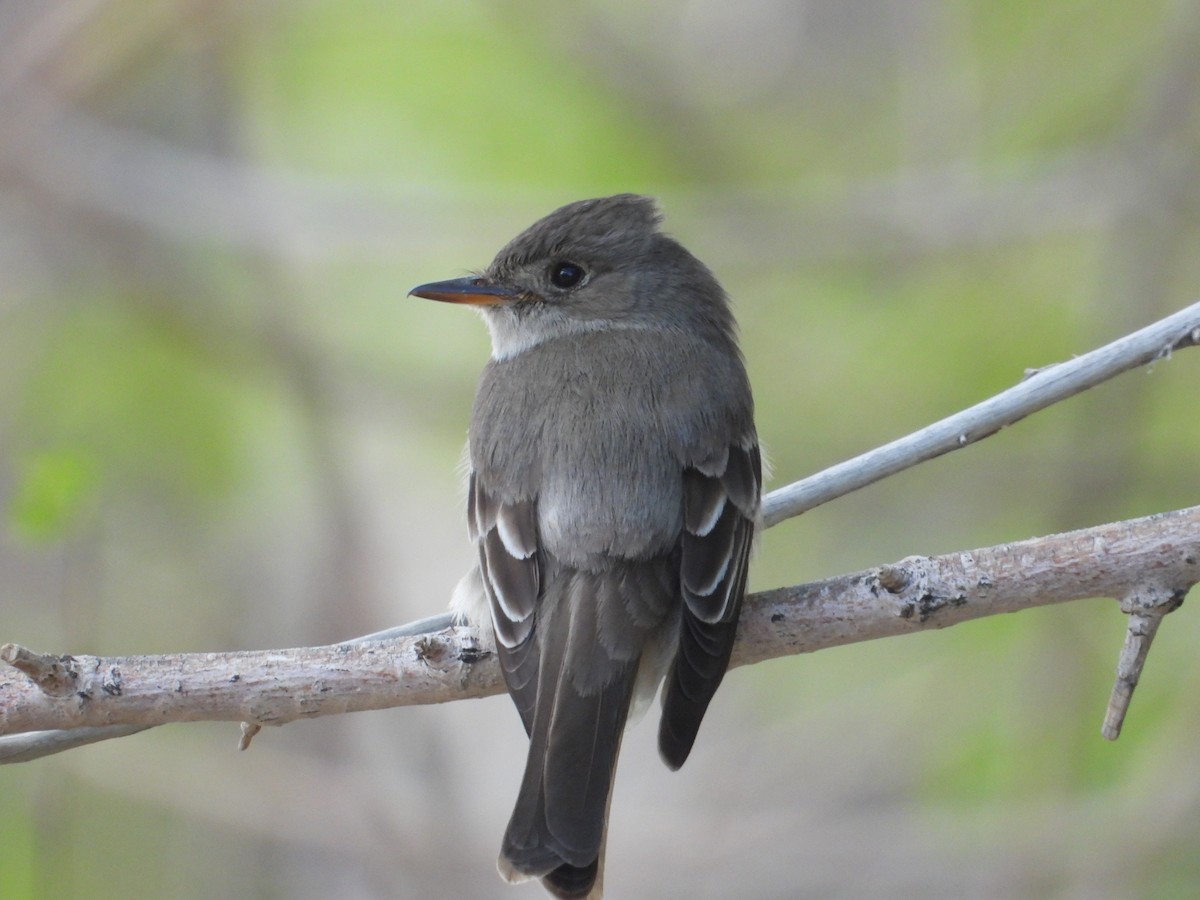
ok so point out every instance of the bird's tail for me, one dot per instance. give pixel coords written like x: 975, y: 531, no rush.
x: 559, y: 824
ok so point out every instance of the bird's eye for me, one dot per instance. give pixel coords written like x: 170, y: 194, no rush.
x: 566, y: 274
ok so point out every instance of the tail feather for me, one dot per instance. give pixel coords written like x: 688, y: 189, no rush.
x: 569, y: 881
x: 559, y: 822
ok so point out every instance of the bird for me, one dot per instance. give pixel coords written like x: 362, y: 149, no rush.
x: 614, y: 489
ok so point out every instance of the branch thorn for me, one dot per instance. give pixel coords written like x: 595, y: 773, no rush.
x: 1145, y: 606
x: 249, y: 730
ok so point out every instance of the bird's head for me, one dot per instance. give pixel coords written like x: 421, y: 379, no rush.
x: 592, y: 265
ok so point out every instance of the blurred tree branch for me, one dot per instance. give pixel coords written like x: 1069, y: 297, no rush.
x: 1149, y: 564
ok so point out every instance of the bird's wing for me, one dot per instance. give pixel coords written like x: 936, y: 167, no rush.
x: 506, y: 535
x: 720, y: 503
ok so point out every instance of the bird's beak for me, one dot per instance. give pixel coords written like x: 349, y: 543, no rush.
x: 473, y: 290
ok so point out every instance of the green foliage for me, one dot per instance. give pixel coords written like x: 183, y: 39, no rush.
x: 451, y: 94
x: 118, y: 403
x: 18, y: 860
x: 52, y: 490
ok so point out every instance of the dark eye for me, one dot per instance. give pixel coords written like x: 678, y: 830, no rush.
x: 566, y: 274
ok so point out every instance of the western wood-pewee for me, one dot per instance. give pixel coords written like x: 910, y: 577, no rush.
x: 614, y: 487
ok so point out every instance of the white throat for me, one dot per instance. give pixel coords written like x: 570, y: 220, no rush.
x: 512, y: 337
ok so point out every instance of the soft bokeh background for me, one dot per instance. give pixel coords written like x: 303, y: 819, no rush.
x: 223, y: 426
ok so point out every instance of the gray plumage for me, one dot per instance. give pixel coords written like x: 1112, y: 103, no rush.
x: 614, y: 485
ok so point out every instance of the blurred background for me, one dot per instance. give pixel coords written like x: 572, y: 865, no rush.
x: 223, y: 425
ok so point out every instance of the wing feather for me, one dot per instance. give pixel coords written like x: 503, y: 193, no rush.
x: 713, y: 565
x: 508, y: 560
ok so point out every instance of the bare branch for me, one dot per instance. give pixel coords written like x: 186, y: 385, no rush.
x: 266, y: 687
x: 919, y: 593
x: 1040, y: 389
x: 274, y: 687
x: 36, y: 744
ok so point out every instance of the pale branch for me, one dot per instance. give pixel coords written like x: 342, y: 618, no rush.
x: 33, y: 745
x: 414, y: 653
x: 1156, y: 559
x: 1041, y: 388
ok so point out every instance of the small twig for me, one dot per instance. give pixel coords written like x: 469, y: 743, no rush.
x: 56, y: 675
x: 1145, y: 605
